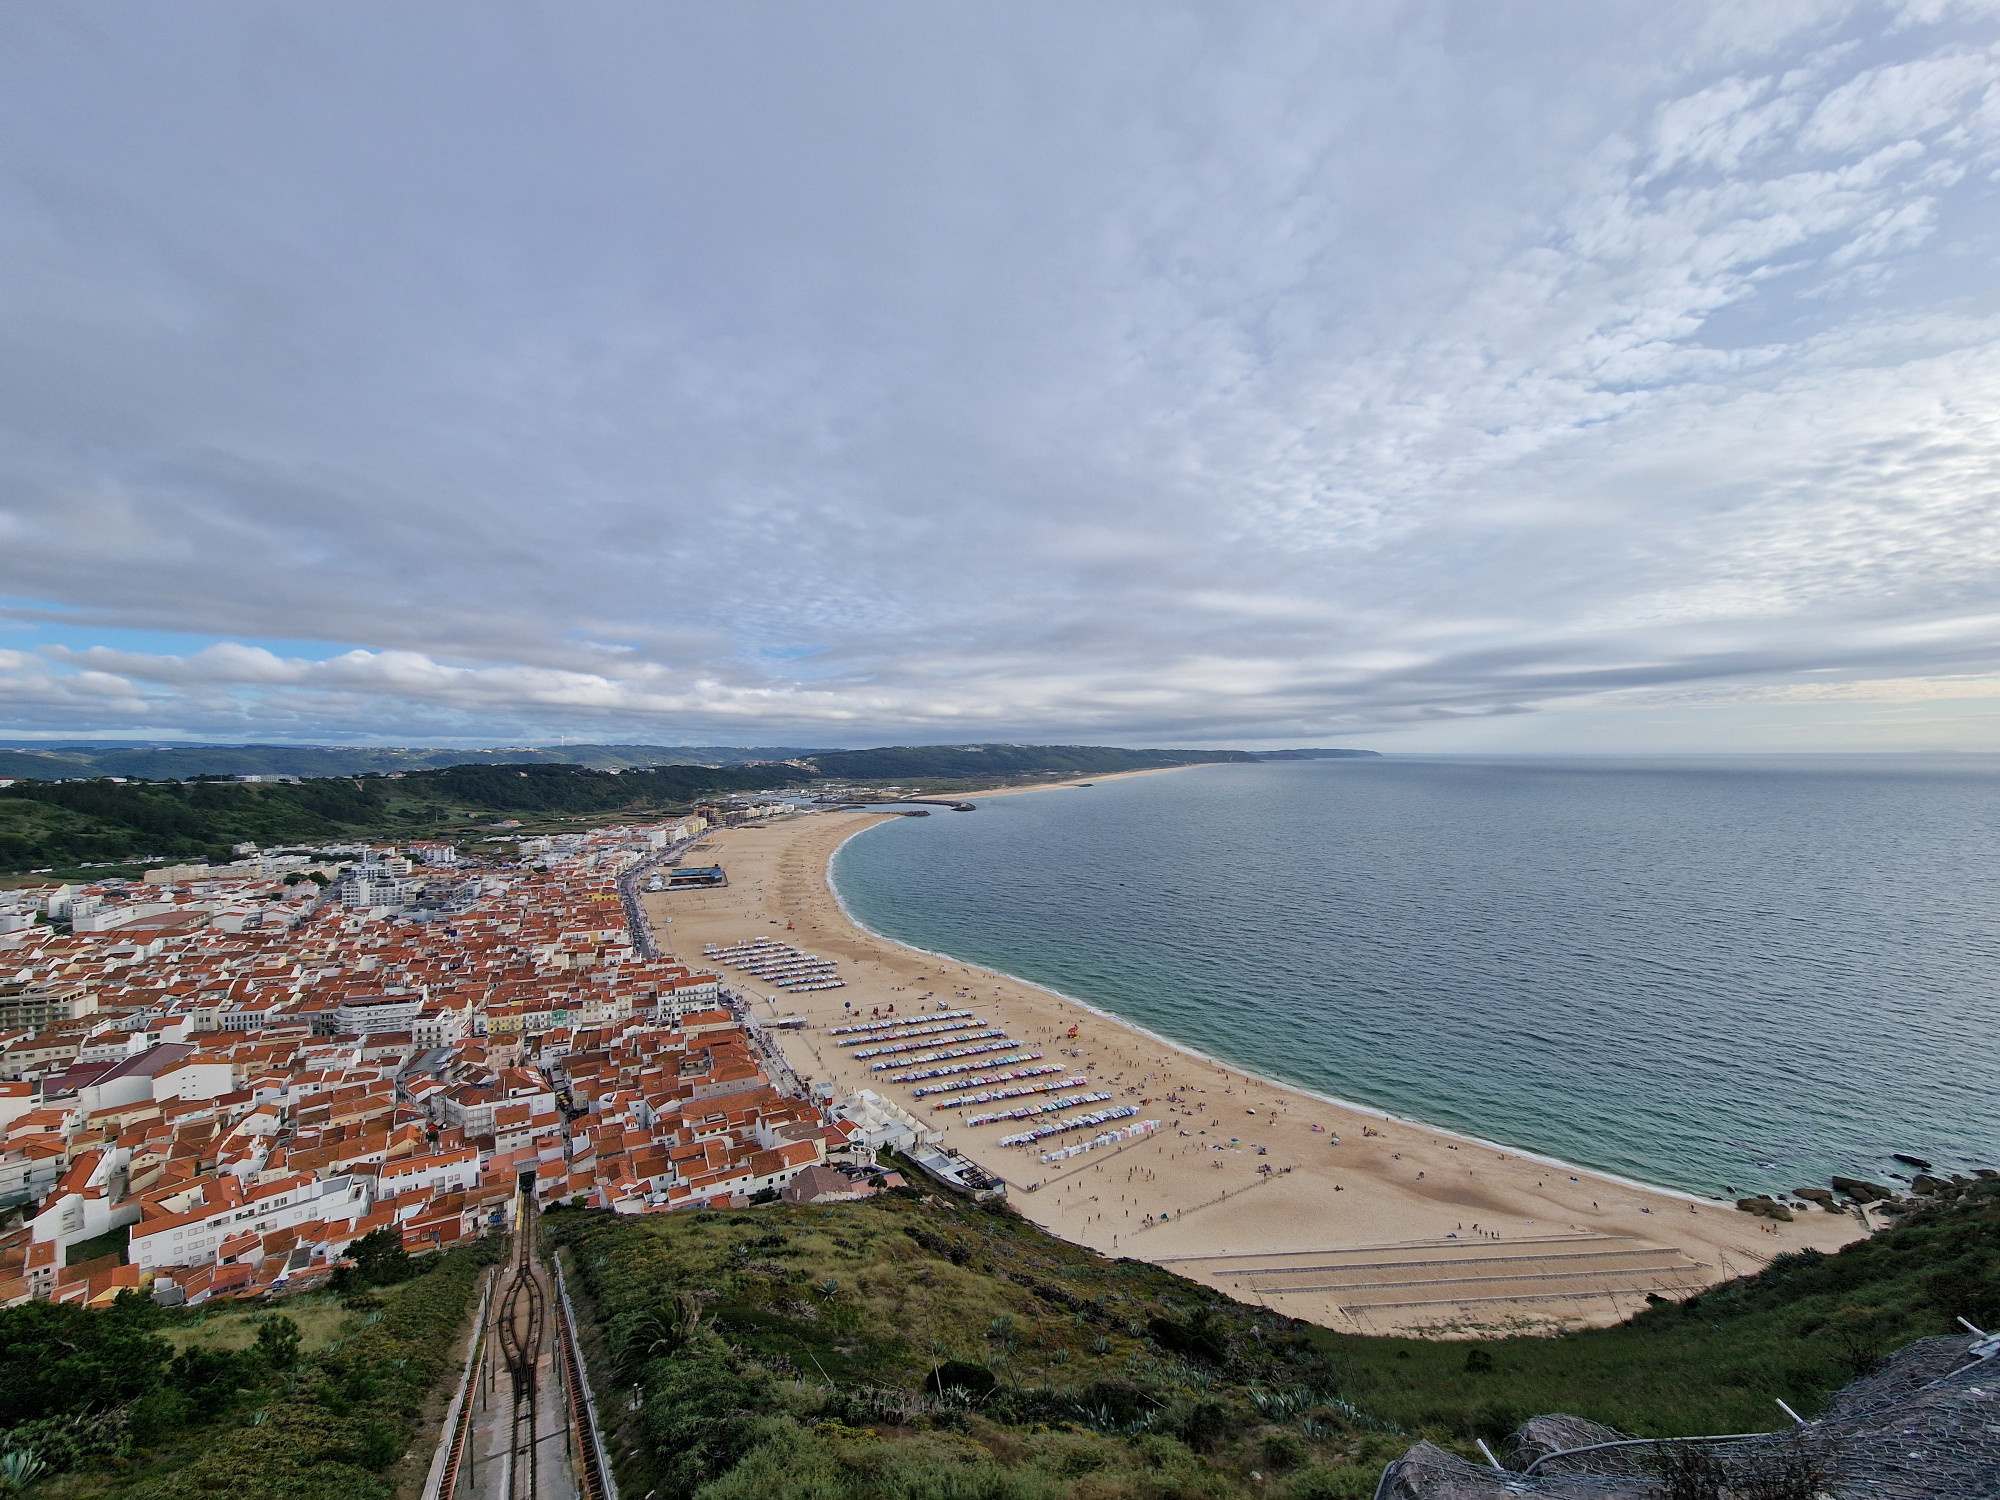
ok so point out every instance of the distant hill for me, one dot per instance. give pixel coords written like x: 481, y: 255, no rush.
x: 926, y: 762
x: 156, y: 762
x: 64, y: 810
x: 1317, y: 754
x: 179, y: 762
x: 45, y: 824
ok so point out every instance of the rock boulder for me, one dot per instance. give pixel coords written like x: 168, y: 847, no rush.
x: 1558, y: 1433
x: 1765, y: 1208
x: 1859, y: 1191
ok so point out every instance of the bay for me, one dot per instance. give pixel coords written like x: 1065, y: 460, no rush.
x: 1716, y: 974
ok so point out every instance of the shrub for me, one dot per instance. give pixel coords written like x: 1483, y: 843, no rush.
x: 700, y: 1415
x: 1323, y: 1483
x: 1202, y: 1336
x: 379, y: 1260
x: 1204, y: 1425
x: 208, y: 1378
x: 58, y: 1358
x: 278, y: 1343
x: 962, y: 1375
x: 1115, y: 1403
x: 1967, y: 1288
x: 1282, y: 1451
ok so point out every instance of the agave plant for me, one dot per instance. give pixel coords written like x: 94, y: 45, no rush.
x: 19, y: 1468
x: 1288, y: 1405
x: 660, y: 1333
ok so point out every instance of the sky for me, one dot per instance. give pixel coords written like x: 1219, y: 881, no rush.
x: 1598, y: 377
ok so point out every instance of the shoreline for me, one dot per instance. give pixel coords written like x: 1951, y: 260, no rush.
x: 1374, y: 1111
x: 1345, y: 1181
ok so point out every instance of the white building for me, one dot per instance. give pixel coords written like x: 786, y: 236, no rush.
x: 88, y: 1201
x: 366, y: 887
x: 190, y: 1237
x: 683, y: 997
x: 194, y: 1080
x: 883, y: 1122
x: 378, y: 1013
x: 442, y: 1171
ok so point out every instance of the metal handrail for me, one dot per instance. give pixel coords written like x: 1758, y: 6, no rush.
x: 443, y: 1476
x: 582, y: 1403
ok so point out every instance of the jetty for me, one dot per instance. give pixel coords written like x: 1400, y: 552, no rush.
x: 908, y: 807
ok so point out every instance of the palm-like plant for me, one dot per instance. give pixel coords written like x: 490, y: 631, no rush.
x: 19, y: 1468
x: 661, y: 1333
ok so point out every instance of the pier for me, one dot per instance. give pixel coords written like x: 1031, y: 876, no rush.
x: 907, y: 807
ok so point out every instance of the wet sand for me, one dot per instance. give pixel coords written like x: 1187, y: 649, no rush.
x: 1361, y: 1222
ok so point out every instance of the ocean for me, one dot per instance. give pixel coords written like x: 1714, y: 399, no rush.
x: 1721, y: 975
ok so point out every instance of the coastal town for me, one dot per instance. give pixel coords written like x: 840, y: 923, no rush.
x: 218, y: 1079
x: 225, y: 1085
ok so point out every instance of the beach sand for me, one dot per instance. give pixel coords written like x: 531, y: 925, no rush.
x: 1397, y: 1227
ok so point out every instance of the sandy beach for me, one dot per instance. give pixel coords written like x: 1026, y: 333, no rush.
x: 1334, y: 1214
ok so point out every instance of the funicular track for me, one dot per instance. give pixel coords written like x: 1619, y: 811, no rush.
x: 523, y: 1425
x: 522, y: 1327
x: 455, y: 1442
x: 594, y: 1480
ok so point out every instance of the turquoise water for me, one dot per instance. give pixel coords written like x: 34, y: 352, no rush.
x: 1710, y: 974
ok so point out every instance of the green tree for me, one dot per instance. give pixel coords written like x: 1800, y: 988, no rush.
x: 58, y: 1358
x: 278, y: 1344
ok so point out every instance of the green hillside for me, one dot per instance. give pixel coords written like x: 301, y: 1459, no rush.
x: 51, y: 823
x: 924, y: 1349
x: 60, y: 824
x: 318, y: 1398
x: 913, y: 1347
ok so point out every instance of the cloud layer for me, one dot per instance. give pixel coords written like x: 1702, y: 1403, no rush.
x: 1124, y: 373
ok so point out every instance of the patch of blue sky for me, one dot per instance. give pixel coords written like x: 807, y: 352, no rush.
x: 26, y: 625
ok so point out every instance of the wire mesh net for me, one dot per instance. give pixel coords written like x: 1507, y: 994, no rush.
x: 1924, y: 1426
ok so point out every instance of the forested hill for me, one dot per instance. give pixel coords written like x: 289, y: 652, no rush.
x: 183, y: 762
x: 63, y: 823
x: 47, y: 823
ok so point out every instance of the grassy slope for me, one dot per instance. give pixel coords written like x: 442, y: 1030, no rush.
x: 828, y: 1320
x: 340, y: 1427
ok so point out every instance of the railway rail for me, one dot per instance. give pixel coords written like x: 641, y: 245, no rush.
x: 523, y: 1326
x: 524, y: 1390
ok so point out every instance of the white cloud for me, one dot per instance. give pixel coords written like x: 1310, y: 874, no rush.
x: 1122, y: 372
x: 1898, y: 102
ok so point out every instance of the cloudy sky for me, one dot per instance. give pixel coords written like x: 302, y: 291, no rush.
x: 1489, y: 376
